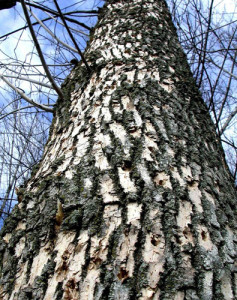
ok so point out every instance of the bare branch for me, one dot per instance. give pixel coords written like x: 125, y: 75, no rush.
x: 226, y: 71
x: 14, y: 111
x: 29, y: 80
x: 71, y: 36
x: 52, y: 34
x: 227, y: 122
x: 23, y: 95
x: 44, y: 64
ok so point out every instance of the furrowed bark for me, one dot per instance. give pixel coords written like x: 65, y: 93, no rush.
x: 132, y: 198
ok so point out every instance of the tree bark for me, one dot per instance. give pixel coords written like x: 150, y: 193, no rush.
x: 132, y: 198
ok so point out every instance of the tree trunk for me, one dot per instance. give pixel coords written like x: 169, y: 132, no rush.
x: 132, y: 198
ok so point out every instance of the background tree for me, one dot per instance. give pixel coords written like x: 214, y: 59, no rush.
x: 208, y: 36
x: 123, y: 203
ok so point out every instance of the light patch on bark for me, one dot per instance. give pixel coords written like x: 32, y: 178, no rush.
x: 64, y: 166
x: 78, y: 258
x: 20, y: 246
x: 163, y: 179
x: 95, y: 112
x: 195, y: 196
x: 125, y: 181
x: 134, y: 214
x: 179, y: 296
x: 75, y: 263
x: 187, y: 172
x: 147, y: 294
x: 204, y: 238
x: 88, y: 286
x: 235, y: 283
x: 106, y: 101
x: 30, y: 204
x: 127, y: 103
x: 149, y: 142
x: 119, y: 132
x: 38, y: 263
x: 106, y: 113
x: 187, y: 266
x: 116, y: 106
x: 103, y: 73
x: 207, y: 285
x: 100, y: 159
x: 69, y: 174
x: 230, y: 237
x: 63, y: 245
x: 99, y: 251
x: 167, y: 85
x: 7, y: 237
x: 184, y: 216
x: 107, y: 190
x: 130, y: 75
x: 21, y: 226
x: 54, y: 150
x: 88, y: 183
x: 210, y: 198
x: 170, y: 151
x: 150, y: 128
x: 112, y: 213
x: 176, y: 175
x: 162, y: 127
x: 44, y: 168
x: 66, y: 147
x: 157, y: 295
x: 20, y: 279
x: 226, y: 288
x: 146, y: 154
x: 20, y: 205
x: 145, y: 175
x: 83, y: 143
x: 125, y: 254
x: 126, y: 248
x: 137, y: 118
x: 141, y: 76
x: 76, y: 130
x: 104, y: 139
x: 183, y: 222
x: 153, y: 254
x: 156, y: 75
x: 154, y: 250
x: 171, y: 69
x: 120, y: 292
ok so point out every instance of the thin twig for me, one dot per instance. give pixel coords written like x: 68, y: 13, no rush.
x: 29, y: 80
x: 52, y: 34
x: 23, y: 95
x: 71, y: 36
x: 14, y: 111
x: 41, y: 56
x: 73, y: 29
x: 227, y: 122
x: 44, y: 8
x: 227, y: 89
x: 226, y: 71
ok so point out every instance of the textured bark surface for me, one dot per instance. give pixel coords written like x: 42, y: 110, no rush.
x: 132, y: 198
